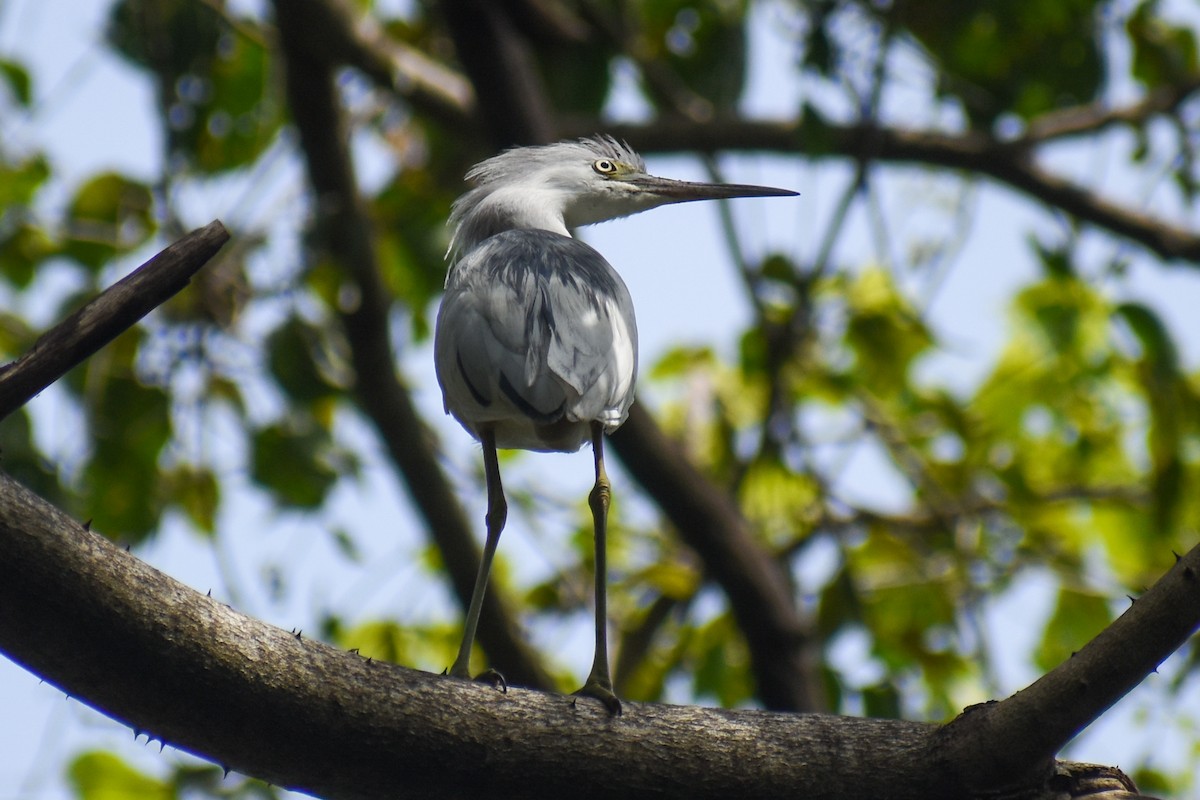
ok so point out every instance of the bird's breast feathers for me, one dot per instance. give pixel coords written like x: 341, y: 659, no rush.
x: 536, y: 337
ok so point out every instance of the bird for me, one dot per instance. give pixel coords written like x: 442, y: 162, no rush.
x: 535, y: 344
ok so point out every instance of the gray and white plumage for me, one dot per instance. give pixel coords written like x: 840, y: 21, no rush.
x: 536, y: 344
x: 536, y: 337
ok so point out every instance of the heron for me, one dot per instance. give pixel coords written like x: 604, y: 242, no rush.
x: 535, y: 345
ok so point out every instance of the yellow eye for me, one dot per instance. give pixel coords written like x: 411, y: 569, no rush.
x: 604, y: 167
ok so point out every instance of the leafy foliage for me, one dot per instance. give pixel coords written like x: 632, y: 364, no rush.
x: 1073, y: 455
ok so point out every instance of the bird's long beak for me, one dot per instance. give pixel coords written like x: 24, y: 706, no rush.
x: 672, y: 191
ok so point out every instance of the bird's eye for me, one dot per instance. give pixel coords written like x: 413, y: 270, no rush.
x: 604, y: 166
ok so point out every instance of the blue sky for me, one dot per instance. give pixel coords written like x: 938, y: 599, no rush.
x: 93, y: 113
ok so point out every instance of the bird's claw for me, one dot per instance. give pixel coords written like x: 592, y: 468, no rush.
x: 494, y: 678
x: 601, y: 690
x: 489, y: 676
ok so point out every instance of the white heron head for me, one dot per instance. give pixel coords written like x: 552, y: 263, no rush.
x: 561, y: 186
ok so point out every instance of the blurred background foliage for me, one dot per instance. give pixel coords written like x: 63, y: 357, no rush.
x: 1074, y: 455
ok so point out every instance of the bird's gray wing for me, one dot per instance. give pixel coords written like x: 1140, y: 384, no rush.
x: 538, y: 324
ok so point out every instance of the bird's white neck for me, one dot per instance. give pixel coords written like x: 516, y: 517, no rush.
x: 506, y: 208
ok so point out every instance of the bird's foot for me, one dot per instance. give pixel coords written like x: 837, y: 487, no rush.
x: 489, y: 676
x: 494, y: 678
x: 601, y: 689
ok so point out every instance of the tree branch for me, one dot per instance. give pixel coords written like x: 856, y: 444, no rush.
x: 1037, y: 722
x: 347, y: 234
x: 426, y: 84
x: 511, y: 98
x: 971, y: 152
x: 439, y: 90
x: 1094, y: 117
x: 184, y: 668
x: 116, y: 310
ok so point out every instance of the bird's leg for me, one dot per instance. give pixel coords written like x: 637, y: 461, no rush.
x: 599, y: 684
x: 497, y: 513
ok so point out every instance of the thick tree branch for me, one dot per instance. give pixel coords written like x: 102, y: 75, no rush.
x: 347, y: 234
x: 183, y: 667
x: 116, y: 310
x: 1002, y: 738
x: 512, y: 103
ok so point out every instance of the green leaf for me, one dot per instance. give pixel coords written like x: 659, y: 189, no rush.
x: 782, y: 504
x: 23, y: 251
x: 1000, y: 57
x: 109, y: 214
x: 1162, y: 53
x: 103, y: 776
x: 675, y: 579
x: 18, y: 80
x: 130, y: 424
x: 19, y: 183
x: 1071, y: 316
x: 287, y: 460
x: 883, y: 331
x: 290, y: 358
x: 881, y: 701
x: 1168, y: 398
x: 23, y: 462
x: 1078, y: 616
x: 721, y: 662
x: 196, y: 491
x: 1158, y: 348
x: 703, y: 44
x: 221, y: 113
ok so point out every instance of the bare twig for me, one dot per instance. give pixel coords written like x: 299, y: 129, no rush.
x: 116, y: 310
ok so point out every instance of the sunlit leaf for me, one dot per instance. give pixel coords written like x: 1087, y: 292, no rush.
x: 104, y: 776
x: 197, y: 492
x: 24, y: 250
x: 1163, y: 52
x: 109, y: 214
x: 883, y: 331
x: 1078, y: 616
x: 781, y: 503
